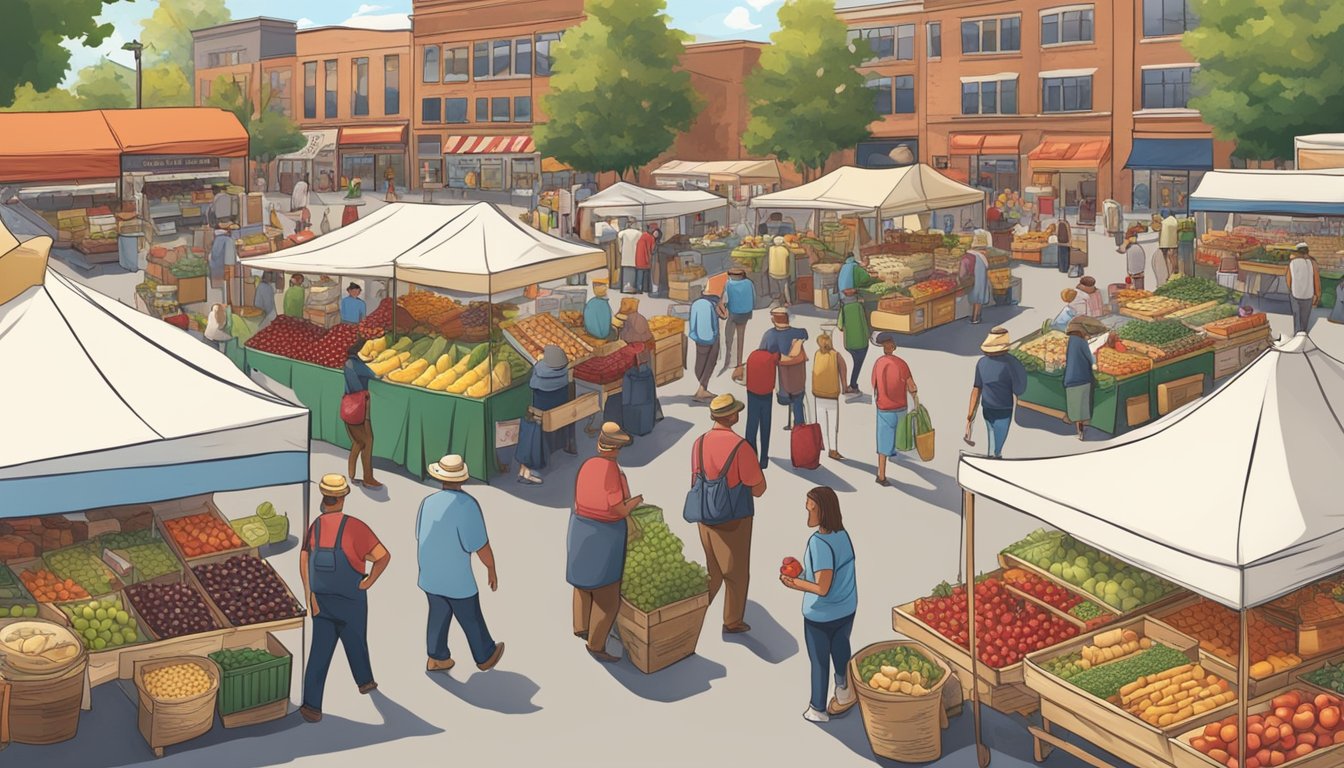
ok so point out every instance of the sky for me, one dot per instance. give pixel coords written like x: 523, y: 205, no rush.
x: 706, y: 19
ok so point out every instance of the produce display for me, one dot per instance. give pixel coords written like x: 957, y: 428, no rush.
x: 1168, y: 697
x: 189, y: 267
x: 536, y: 332
x: 127, y: 539
x: 377, y: 322
x: 247, y: 591
x: 574, y: 319
x: 82, y: 565
x: 171, y: 610
x: 152, y: 560
x: 19, y: 611
x: 1046, y: 592
x: 1088, y: 611
x: 1157, y: 334
x: 933, y: 287
x: 1205, y: 317
x: 1330, y: 676
x: 47, y: 587
x: 1312, y: 604
x: 657, y: 572
x: 1126, y: 295
x: 1156, y: 306
x: 899, y: 670
x: 1113, y: 645
x: 1218, y: 630
x: 1117, y: 584
x: 251, y: 530
x: 1007, y: 627
x: 37, y: 643
x: 1031, y: 241
x: 202, y: 534
x: 1193, y: 290
x: 608, y: 368
x: 240, y: 658
x: 287, y: 337
x: 1032, y: 363
x: 1051, y: 348
x: 1122, y: 364
x: 10, y: 586
x: 276, y: 526
x: 1231, y: 326
x: 891, y: 269
x: 178, y: 681
x: 663, y: 326
x: 1295, y: 725
x: 1065, y: 667
x: 103, y: 624
x: 1225, y: 241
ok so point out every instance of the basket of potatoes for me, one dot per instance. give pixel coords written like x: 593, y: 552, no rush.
x: 177, y: 699
x: 900, y: 689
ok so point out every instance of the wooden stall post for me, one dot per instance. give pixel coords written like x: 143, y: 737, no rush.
x: 968, y: 515
x: 1243, y: 675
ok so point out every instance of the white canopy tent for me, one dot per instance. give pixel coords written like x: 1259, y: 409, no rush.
x: 625, y: 199
x: 122, y: 408
x: 893, y: 192
x: 1282, y: 193
x: 471, y: 248
x: 1318, y: 151
x: 721, y: 171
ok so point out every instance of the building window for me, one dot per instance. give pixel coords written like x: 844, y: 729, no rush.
x: 522, y: 56
x: 905, y: 95
x: 499, y: 109
x: 359, y: 101
x: 429, y: 156
x: 991, y: 97
x: 1165, y: 18
x: 1071, y: 26
x: 500, y: 63
x: 482, y: 109
x: 935, y: 39
x: 455, y: 110
x: 480, y: 64
x: 882, y: 100
x: 430, y: 69
x: 310, y: 90
x: 280, y: 95
x: 204, y: 92
x: 905, y: 42
x: 992, y: 35
x: 391, y: 84
x: 545, y: 60
x: 429, y: 110
x: 881, y: 42
x: 224, y: 58
x: 522, y: 109
x: 329, y: 87
x: 1167, y: 88
x: 1066, y: 94
x: 456, y: 64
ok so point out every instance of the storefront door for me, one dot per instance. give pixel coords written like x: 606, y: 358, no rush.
x: 396, y: 162
x: 360, y: 167
x: 995, y: 173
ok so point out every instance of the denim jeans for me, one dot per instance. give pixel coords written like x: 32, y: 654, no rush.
x: 1302, y: 315
x: 643, y: 280
x: 338, y: 619
x: 758, y: 425
x: 827, y: 647
x: 996, y: 425
x: 468, y: 613
x: 795, y: 404
x: 858, y: 356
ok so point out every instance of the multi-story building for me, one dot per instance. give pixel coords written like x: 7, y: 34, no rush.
x: 1072, y: 102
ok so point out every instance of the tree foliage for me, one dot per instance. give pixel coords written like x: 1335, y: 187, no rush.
x: 618, y: 97
x: 105, y: 85
x: 167, y: 32
x: 35, y: 37
x: 808, y: 100
x: 270, y: 132
x: 1269, y: 70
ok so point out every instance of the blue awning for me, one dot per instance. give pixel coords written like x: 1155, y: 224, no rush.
x: 1171, y: 155
x: 1282, y: 193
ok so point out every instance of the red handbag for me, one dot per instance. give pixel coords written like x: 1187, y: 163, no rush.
x: 355, y: 408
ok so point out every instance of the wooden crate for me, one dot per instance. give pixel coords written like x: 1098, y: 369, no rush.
x: 913, y: 322
x: 1226, y: 361
x: 191, y: 290
x: 904, y: 621
x: 184, y: 508
x: 562, y: 416
x: 1186, y: 756
x: 1313, y: 639
x: 1138, y: 410
x: 942, y: 311
x: 659, y: 639
x: 669, y: 359
x: 256, y: 715
x: 1009, y: 560
x: 1176, y: 393
x: 1011, y: 698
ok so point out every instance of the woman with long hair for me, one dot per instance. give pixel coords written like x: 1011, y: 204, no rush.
x: 830, y: 599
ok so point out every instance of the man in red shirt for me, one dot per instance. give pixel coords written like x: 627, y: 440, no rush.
x: 335, y: 549
x: 891, y: 382
x: 760, y: 379
x: 644, y: 255
x: 728, y: 545
x: 596, y: 541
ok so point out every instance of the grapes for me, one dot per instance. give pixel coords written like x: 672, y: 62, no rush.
x: 657, y: 573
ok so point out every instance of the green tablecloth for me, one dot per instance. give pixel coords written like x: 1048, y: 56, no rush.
x: 1165, y: 372
x: 234, y: 350
x: 1045, y: 389
x: 1108, y: 403
x: 1329, y: 285
x: 411, y: 426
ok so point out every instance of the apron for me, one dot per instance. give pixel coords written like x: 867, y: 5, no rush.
x: 329, y: 570
x: 595, y: 552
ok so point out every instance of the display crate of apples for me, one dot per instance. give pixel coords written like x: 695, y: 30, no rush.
x: 1070, y: 606
x: 1118, y: 586
x: 1218, y: 631
x: 931, y: 289
x: 202, y: 532
x: 1297, y: 728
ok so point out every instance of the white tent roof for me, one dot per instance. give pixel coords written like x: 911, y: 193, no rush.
x: 1320, y: 141
x: 109, y: 406
x: 625, y: 199
x: 897, y: 191
x: 472, y: 248
x: 1286, y: 193
x: 1235, y: 496
x: 731, y: 169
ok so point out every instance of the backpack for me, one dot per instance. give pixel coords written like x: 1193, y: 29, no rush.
x: 712, y: 502
x: 761, y: 370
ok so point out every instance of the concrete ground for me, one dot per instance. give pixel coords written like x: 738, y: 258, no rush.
x: 737, y: 701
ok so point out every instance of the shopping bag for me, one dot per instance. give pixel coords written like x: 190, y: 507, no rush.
x: 355, y: 408
x: 921, y: 431
x: 805, y: 447
x: 905, y: 434
x: 530, y: 452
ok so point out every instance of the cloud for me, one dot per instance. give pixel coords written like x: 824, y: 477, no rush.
x: 761, y: 5
x: 368, y: 17
x: 304, y: 23
x: 366, y: 9
x: 740, y: 18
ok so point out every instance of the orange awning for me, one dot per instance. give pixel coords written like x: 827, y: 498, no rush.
x: 551, y: 165
x: 956, y: 174
x: 372, y: 134
x: 200, y: 131
x: 985, y: 144
x: 1070, y: 153
x: 57, y: 146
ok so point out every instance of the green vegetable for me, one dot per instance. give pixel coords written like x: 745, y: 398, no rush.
x: 1086, y: 610
x: 478, y: 355
x: 436, y: 349
x: 1030, y: 362
x: 942, y: 590
x: 1107, y: 680
x: 152, y: 560
x: 419, y: 348
x: 657, y: 572
x: 1330, y: 676
x: 1213, y: 314
x: 265, y: 510
x: 1064, y: 667
x: 902, y: 658
x: 1039, y: 543
x: 1195, y: 290
x: 1156, y: 334
x: 240, y: 658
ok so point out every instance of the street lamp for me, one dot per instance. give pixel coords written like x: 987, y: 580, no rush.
x: 135, y: 47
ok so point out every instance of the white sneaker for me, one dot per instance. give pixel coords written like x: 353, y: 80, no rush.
x: 816, y: 716
x: 842, y: 702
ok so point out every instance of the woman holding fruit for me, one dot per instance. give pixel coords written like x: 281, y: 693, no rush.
x: 827, y: 579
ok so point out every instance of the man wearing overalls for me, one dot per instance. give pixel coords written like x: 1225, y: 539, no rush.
x: 335, y: 549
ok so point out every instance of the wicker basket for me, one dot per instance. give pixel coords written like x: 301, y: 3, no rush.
x: 900, y: 727
x: 164, y: 723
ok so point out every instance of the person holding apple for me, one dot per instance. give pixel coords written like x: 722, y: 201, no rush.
x: 828, y: 581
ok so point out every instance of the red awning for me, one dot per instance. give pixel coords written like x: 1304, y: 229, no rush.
x: 201, y: 131
x: 489, y: 145
x: 985, y: 144
x: 365, y: 135
x: 57, y: 146
x: 1070, y: 153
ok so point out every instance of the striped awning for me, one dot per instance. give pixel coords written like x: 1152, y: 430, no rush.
x: 489, y: 145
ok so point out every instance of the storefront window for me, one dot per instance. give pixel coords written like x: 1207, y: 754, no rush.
x: 994, y: 174
x: 492, y: 174
x: 524, y: 173
x: 464, y: 172
x: 456, y: 64
x: 1143, y: 191
x: 429, y: 160
x: 391, y: 164
x: 360, y: 167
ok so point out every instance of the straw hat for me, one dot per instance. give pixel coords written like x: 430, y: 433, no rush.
x: 1068, y: 294
x: 779, y: 240
x: 724, y: 405
x: 996, y: 341
x: 334, y: 485
x: 980, y: 239
x: 1302, y: 248
x: 629, y: 305
x: 613, y: 437
x: 22, y: 265
x: 449, y: 469
x: 780, y: 312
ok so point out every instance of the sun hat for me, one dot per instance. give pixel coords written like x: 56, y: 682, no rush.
x: 724, y: 405
x: 1078, y: 324
x: 980, y: 239
x: 1088, y: 284
x: 996, y: 341
x: 450, y: 469
x: 779, y: 311
x: 1068, y: 294
x: 613, y: 437
x: 334, y: 485
x: 554, y: 356
x: 1303, y: 247
x: 779, y: 240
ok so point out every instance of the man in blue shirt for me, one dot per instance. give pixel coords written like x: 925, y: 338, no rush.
x: 703, y: 330
x: 1000, y: 379
x: 597, y: 312
x: 448, y: 529
x: 739, y: 295
x: 353, y: 309
x: 787, y: 342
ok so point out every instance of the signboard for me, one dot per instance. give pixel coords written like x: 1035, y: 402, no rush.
x: 167, y: 163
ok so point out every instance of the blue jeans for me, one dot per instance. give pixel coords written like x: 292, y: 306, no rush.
x: 996, y: 425
x: 758, y: 425
x: 827, y: 646
x: 858, y: 355
x: 643, y: 280
x: 346, y: 620
x: 795, y: 403
x: 468, y: 613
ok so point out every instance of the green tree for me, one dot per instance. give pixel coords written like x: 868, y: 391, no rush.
x: 270, y: 132
x: 166, y: 85
x: 105, y: 85
x: 167, y: 32
x: 618, y: 98
x: 1269, y: 70
x: 807, y: 99
x: 26, y: 99
x: 35, y: 41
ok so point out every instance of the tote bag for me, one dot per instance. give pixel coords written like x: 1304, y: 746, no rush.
x: 916, y: 431
x: 355, y: 408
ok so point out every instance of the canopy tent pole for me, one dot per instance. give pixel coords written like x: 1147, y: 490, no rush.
x: 1243, y: 673
x: 394, y: 299
x: 968, y: 516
